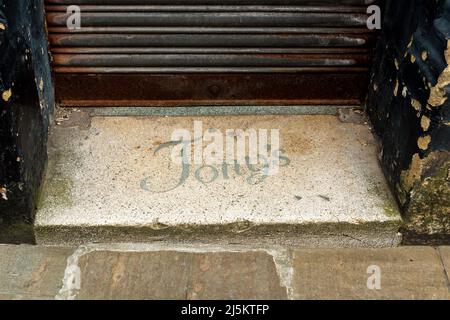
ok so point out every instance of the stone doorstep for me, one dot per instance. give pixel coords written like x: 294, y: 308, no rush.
x: 151, y: 271
x: 110, y: 181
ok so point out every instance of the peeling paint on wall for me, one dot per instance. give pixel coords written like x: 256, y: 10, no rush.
x: 3, y: 193
x: 438, y: 96
x: 409, y: 177
x: 26, y: 105
x: 396, y: 88
x: 6, y: 95
x: 428, y: 213
x: 425, y: 123
x: 424, y: 142
x: 413, y: 126
x: 416, y: 105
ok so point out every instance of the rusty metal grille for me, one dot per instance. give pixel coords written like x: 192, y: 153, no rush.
x: 195, y: 52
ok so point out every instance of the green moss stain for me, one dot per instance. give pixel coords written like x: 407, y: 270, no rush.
x: 388, y: 203
x: 429, y: 205
x: 390, y: 209
x: 56, y: 191
x: 17, y: 233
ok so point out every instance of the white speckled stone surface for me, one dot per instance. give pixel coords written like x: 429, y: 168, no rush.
x: 94, y: 183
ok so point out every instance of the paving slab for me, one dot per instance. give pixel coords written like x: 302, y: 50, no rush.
x: 237, y: 276
x: 31, y: 272
x: 405, y: 273
x: 445, y: 258
x: 125, y: 275
x: 114, y: 180
x: 178, y: 275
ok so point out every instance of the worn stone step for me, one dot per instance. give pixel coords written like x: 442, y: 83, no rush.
x: 112, y: 179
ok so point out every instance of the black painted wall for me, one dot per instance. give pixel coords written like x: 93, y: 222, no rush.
x: 27, y: 101
x: 410, y: 111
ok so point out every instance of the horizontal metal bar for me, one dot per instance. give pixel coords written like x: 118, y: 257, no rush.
x: 212, y: 19
x: 209, y: 89
x: 216, y: 2
x: 210, y: 70
x: 208, y: 60
x: 212, y: 102
x: 210, y: 40
x: 149, y: 50
x: 203, y: 8
x: 163, y: 30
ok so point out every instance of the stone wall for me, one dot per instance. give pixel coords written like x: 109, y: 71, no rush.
x: 26, y: 103
x: 409, y: 107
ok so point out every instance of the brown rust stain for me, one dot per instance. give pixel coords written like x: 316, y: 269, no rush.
x: 118, y: 270
x: 192, y: 89
x: 36, y: 276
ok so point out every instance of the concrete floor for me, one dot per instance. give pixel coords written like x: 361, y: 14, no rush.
x: 106, y: 183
